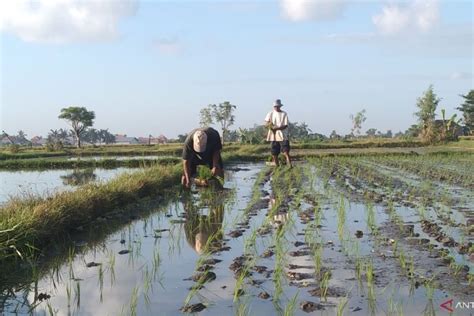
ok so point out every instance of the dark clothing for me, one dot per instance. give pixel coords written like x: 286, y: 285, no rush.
x: 205, y: 158
x: 283, y: 146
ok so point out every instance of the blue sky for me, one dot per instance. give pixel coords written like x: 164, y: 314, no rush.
x: 148, y: 67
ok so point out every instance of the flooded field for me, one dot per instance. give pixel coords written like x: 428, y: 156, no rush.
x: 44, y: 182
x: 331, y: 236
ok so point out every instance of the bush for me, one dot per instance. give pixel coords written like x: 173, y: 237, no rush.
x: 14, y: 148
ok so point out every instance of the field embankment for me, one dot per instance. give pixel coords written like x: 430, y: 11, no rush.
x: 26, y: 224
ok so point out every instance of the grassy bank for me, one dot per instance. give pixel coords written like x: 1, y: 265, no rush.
x: 66, y: 163
x: 27, y: 223
x: 176, y: 149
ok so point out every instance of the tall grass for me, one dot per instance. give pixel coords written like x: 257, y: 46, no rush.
x: 27, y: 224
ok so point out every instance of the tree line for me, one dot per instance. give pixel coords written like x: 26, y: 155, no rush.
x: 427, y: 127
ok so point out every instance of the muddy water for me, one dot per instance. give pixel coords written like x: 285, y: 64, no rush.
x: 14, y: 183
x: 144, y: 268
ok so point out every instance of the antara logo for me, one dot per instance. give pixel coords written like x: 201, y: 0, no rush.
x: 450, y: 306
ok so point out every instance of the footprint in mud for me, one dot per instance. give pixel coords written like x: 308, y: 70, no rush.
x: 297, y: 266
x: 260, y: 269
x: 235, y: 233
x: 205, y: 267
x: 202, y: 277
x: 177, y: 221
x: 309, y: 306
x: 194, y: 308
x: 297, y: 276
x: 211, y: 261
x: 331, y: 292
x: 267, y: 253
x: 299, y: 243
x: 299, y: 253
x: 93, y: 264
x: 43, y: 296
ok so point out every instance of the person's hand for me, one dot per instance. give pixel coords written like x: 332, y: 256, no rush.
x: 215, y: 171
x: 186, y: 182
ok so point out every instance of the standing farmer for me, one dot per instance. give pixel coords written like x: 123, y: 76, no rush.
x: 202, y: 147
x: 277, y: 123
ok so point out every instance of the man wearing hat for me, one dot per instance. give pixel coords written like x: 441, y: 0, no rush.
x: 202, y: 147
x: 277, y: 123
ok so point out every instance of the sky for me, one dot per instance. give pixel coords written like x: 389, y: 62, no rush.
x: 148, y: 67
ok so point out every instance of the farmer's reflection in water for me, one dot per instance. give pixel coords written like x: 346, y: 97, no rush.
x: 204, y: 231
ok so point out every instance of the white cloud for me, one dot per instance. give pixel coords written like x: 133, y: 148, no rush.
x: 302, y: 10
x: 460, y: 75
x: 168, y: 46
x: 63, y: 21
x: 419, y: 15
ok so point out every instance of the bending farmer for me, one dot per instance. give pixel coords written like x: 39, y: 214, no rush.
x: 277, y: 123
x: 202, y: 147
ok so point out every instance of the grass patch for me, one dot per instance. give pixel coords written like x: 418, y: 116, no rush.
x: 66, y: 163
x: 27, y: 223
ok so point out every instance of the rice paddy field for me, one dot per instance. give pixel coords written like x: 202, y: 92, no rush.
x: 385, y: 234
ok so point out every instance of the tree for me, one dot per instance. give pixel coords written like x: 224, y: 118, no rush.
x: 371, y: 132
x: 467, y: 109
x: 449, y: 127
x: 56, y: 139
x: 388, y: 134
x: 413, y: 131
x: 10, y: 139
x: 222, y: 114
x: 254, y: 135
x: 182, y: 138
x: 427, y: 105
x: 334, y: 135
x: 299, y: 131
x: 106, y: 137
x: 91, y: 135
x: 79, y: 118
x: 231, y: 136
x: 357, y: 121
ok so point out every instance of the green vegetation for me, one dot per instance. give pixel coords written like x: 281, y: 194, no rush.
x: 26, y: 224
x: 80, y: 119
x: 66, y: 163
x: 222, y: 114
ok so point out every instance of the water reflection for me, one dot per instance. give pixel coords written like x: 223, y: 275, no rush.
x: 79, y: 177
x: 204, y: 231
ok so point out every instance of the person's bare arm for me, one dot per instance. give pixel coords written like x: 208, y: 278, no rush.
x: 280, y: 128
x: 216, y: 169
x: 187, y: 172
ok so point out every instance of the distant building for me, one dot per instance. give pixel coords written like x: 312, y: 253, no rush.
x: 153, y: 140
x: 38, y: 141
x: 125, y: 140
x: 5, y: 141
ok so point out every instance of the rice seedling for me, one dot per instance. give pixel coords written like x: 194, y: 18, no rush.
x: 317, y: 258
x: 101, y: 283
x: 77, y: 294
x: 291, y: 305
x: 341, y: 306
x: 134, y: 301
x: 324, y: 285
x: 429, y: 288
